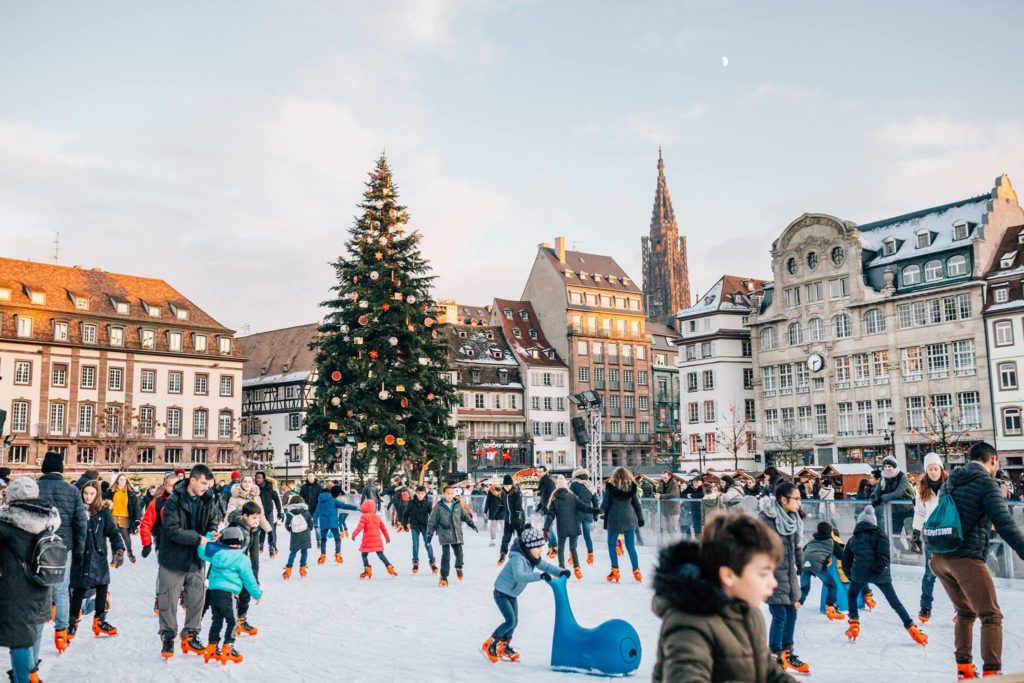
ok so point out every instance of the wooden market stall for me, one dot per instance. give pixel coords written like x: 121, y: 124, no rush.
x: 846, y: 477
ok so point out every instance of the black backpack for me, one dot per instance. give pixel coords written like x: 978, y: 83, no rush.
x: 49, y: 562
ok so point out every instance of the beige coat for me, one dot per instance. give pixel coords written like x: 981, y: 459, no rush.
x: 240, y: 498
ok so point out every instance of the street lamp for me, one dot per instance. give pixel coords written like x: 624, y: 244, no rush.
x: 701, y: 452
x: 890, y: 436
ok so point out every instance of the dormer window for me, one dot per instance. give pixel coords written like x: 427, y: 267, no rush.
x: 490, y: 335
x: 583, y: 275
x: 888, y: 246
x: 503, y: 376
x: 517, y: 333
x: 508, y: 313
x: 36, y: 296
x: 550, y: 354
x: 81, y: 303
x: 5, y: 293
x: 469, y: 352
x: 924, y: 239
x: 179, y: 313
x: 1006, y: 260
x: 199, y: 342
x: 524, y: 314
x: 224, y: 345
x: 462, y: 334
x: 151, y: 311
x: 625, y: 280
x: 533, y: 334
x: 148, y: 338
x: 1001, y: 294
x: 535, y: 353
x: 960, y: 230
x: 120, y: 307
x: 497, y: 355
x: 174, y: 341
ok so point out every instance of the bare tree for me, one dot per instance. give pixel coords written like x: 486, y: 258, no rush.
x: 788, y: 442
x: 255, y: 433
x: 944, y: 428
x: 122, y: 434
x: 733, y: 434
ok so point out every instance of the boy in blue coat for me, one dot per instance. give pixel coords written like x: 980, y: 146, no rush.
x: 230, y: 572
x: 523, y: 567
x: 326, y: 519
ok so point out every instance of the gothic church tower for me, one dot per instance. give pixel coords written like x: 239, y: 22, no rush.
x: 666, y: 275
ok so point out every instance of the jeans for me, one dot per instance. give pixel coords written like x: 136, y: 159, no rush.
x: 826, y: 580
x: 223, y: 608
x: 303, y: 554
x: 62, y: 599
x: 629, y: 540
x: 586, y: 524
x: 22, y: 663
x: 509, y: 608
x: 445, y: 549
x: 780, y: 634
x: 323, y: 540
x: 416, y: 536
x: 124, y: 527
x: 343, y: 521
x: 552, y: 539
x: 380, y: 554
x: 572, y: 551
x: 890, y: 596
x: 927, y: 582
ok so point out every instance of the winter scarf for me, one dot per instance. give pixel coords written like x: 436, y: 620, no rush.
x: 787, y: 523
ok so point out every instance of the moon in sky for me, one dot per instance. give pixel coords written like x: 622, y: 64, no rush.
x: 725, y: 61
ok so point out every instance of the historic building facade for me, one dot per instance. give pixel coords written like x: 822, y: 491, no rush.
x: 871, y: 338
x: 668, y: 442
x: 593, y: 315
x: 113, y: 371
x: 490, y: 418
x: 1004, y: 320
x: 277, y: 387
x: 666, y: 274
x: 545, y: 383
x: 717, y: 401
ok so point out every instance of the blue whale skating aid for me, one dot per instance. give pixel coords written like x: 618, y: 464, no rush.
x: 842, y: 589
x: 611, y: 649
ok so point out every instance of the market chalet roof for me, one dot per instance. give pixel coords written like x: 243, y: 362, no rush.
x: 731, y: 294
x: 98, y: 293
x: 279, y: 356
x: 591, y: 270
x: 523, y: 334
x: 937, y: 221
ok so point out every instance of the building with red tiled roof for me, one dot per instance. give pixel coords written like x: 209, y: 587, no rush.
x: 592, y: 312
x: 546, y: 383
x: 279, y: 370
x: 113, y: 371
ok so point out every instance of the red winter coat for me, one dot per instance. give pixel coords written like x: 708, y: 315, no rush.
x: 373, y: 526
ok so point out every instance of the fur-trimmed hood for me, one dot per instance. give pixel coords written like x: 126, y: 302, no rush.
x: 619, y: 493
x: 679, y: 583
x: 32, y: 516
x: 296, y: 507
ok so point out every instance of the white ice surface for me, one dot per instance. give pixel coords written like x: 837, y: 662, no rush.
x: 331, y: 626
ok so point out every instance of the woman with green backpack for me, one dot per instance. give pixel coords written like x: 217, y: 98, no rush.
x: 928, y: 488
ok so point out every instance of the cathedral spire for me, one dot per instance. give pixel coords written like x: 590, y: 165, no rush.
x: 666, y: 275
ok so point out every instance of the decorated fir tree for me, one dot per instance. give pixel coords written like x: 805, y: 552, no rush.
x: 382, y: 382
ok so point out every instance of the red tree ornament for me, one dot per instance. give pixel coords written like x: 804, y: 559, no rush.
x: 373, y: 354
x: 389, y: 440
x: 336, y: 376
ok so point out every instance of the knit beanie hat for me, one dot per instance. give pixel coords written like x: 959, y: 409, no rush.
x: 53, y: 462
x: 507, y: 480
x: 889, y: 460
x: 580, y: 473
x: 932, y: 459
x: 868, y: 515
x: 22, y: 488
x: 336, y: 491
x: 728, y: 481
x: 561, y: 482
x: 532, y: 538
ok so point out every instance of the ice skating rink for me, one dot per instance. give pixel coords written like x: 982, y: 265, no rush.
x: 331, y: 626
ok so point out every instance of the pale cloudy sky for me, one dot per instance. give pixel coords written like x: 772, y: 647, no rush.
x: 222, y: 146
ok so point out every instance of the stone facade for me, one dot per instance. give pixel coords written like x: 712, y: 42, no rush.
x: 871, y: 338
x: 666, y: 274
x: 665, y: 395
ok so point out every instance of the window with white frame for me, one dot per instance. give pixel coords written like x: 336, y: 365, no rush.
x: 199, y: 417
x: 147, y: 420
x: 23, y: 372
x: 1011, y: 422
x: 584, y: 374
x: 912, y: 366
x: 839, y: 288
x: 709, y: 411
x: 796, y: 334
x: 85, y: 419
x: 843, y: 371
x: 708, y: 380
x: 1007, y: 375
x: 874, y: 321
x: 116, y: 335
x: 693, y: 412
x: 60, y: 331
x: 912, y: 275
x: 938, y: 360
x: 115, y: 379
x: 57, y: 418
x: 225, y: 423
x: 768, y: 339
x: 915, y: 412
x: 19, y: 416
x: 883, y: 408
x: 147, y: 381
x: 865, y: 418
x: 1001, y: 294
x: 224, y: 345
x: 771, y: 423
x: 815, y: 330
x: 1003, y: 332
x: 933, y: 271
x: 148, y: 338
x: 786, y: 378
x: 861, y: 369
x: 227, y: 385
x: 89, y: 333
x: 59, y: 375
x: 173, y: 426
x: 768, y: 379
x: 888, y: 246
x: 845, y: 418
x: 880, y: 366
x: 202, y: 384
x: 956, y: 266
x: 970, y: 409
x: 820, y: 419
x: 804, y: 421
x: 842, y: 327
x: 924, y: 238
x: 174, y: 382
x: 964, y: 360
x: 23, y: 325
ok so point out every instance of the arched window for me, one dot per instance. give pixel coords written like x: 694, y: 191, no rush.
x: 956, y: 265
x: 933, y: 271
x: 815, y: 330
x: 841, y: 326
x: 874, y: 321
x: 796, y: 334
x: 912, y: 275
x: 768, y: 339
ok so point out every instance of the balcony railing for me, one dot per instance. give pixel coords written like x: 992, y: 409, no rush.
x: 613, y: 384
x: 614, y: 411
x: 599, y: 384
x: 629, y: 412
x: 627, y: 360
x: 598, y: 357
x: 628, y: 386
x: 579, y: 330
x: 613, y: 358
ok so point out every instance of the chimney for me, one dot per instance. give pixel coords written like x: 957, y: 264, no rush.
x: 560, y: 249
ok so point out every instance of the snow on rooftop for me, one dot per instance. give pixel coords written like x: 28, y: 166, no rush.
x: 938, y: 221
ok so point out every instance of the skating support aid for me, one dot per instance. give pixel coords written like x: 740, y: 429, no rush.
x: 842, y: 591
x: 611, y: 649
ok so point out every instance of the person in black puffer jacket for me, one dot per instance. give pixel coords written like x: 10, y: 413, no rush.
x: 414, y: 518
x: 24, y: 604
x: 580, y: 487
x: 622, y: 517
x: 493, y: 512
x: 866, y: 559
x: 963, y: 573
x: 310, y: 492
x: 513, y: 514
x: 565, y: 508
x: 271, y: 510
x: 545, y: 489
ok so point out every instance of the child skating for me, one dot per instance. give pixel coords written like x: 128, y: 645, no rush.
x: 326, y: 518
x: 446, y: 521
x: 416, y: 514
x: 866, y: 559
x: 374, y: 532
x: 300, y: 527
x: 230, y: 574
x: 565, y: 508
x: 524, y: 566
x: 817, y: 558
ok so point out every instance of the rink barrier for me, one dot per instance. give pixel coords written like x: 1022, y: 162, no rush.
x: 667, y: 521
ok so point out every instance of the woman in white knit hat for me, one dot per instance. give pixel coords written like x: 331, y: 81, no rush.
x: 928, y: 488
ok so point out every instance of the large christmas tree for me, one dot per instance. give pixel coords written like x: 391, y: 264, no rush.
x: 382, y: 369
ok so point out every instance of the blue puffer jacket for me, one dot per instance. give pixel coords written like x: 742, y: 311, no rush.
x: 326, y: 515
x: 230, y: 570
x: 518, y: 572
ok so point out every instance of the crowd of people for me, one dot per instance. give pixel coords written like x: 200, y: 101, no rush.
x: 59, y: 542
